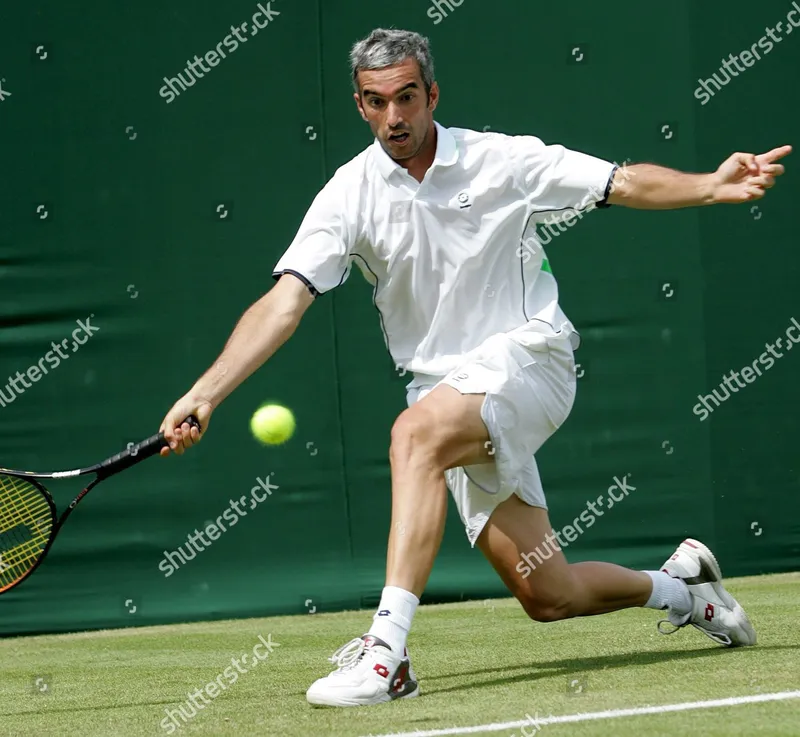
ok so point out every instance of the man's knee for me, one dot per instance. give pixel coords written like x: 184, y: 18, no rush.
x: 415, y: 431
x: 548, y: 610
x: 549, y: 606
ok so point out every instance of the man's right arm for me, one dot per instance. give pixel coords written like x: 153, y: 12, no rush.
x: 316, y: 261
x: 262, y: 329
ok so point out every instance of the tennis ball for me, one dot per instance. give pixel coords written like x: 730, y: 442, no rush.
x: 272, y: 424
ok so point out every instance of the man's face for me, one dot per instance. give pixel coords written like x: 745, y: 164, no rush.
x: 394, y: 103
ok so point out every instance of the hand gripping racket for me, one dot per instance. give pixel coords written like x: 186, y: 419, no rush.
x: 28, y: 522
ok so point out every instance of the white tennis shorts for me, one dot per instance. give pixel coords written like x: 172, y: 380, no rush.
x: 528, y: 377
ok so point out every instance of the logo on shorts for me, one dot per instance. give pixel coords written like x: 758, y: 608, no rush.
x: 464, y: 200
x: 384, y: 613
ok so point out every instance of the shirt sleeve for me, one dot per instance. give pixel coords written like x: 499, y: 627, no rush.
x: 557, y: 180
x: 320, y: 253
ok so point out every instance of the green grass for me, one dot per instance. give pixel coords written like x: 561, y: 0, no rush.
x: 478, y: 663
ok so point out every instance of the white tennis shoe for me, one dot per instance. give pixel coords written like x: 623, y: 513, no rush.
x: 714, y: 611
x: 368, y: 672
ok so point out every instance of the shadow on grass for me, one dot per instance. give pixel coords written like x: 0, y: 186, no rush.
x: 570, y: 666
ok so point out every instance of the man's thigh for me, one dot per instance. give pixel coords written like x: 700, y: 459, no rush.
x: 455, y: 420
x: 519, y: 542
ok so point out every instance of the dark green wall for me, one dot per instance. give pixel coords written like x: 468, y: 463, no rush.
x: 132, y: 184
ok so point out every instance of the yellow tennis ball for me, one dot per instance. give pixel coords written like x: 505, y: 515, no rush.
x: 272, y: 424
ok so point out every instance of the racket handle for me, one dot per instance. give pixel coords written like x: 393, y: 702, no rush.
x: 137, y: 452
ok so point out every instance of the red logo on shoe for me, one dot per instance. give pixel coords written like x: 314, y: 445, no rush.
x: 400, y: 677
x: 381, y: 670
x: 709, y: 612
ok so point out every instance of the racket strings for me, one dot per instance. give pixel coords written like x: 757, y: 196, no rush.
x: 26, y: 522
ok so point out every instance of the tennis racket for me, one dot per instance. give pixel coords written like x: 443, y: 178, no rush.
x: 28, y: 521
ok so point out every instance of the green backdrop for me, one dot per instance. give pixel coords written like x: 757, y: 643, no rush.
x: 163, y: 221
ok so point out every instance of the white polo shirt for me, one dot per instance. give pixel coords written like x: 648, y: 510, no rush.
x: 446, y: 255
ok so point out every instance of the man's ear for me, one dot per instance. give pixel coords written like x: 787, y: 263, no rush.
x: 433, y: 97
x: 357, y: 98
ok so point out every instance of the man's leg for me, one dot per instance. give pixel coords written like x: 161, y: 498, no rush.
x: 443, y: 430
x: 689, y: 585
x: 554, y: 589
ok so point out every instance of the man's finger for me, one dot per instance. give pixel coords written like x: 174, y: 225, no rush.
x: 774, y: 170
x: 186, y: 431
x: 747, y: 161
x: 774, y: 155
x: 172, y: 433
x: 765, y: 180
x: 186, y: 435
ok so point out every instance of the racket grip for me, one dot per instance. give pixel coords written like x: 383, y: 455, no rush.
x: 137, y: 452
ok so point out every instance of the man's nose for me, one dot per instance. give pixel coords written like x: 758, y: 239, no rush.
x: 394, y: 117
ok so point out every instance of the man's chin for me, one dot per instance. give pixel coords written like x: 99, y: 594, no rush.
x: 399, y: 153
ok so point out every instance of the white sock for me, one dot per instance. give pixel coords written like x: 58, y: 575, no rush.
x: 669, y: 593
x: 392, y: 621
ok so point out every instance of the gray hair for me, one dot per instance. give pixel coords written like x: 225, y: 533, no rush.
x: 387, y: 47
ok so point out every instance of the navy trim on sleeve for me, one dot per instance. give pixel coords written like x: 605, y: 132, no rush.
x: 311, y: 288
x: 604, y: 201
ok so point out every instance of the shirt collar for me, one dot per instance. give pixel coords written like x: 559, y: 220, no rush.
x: 446, y: 153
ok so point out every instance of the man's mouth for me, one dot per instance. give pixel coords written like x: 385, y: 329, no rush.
x: 399, y: 138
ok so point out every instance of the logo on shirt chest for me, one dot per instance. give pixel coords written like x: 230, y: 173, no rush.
x: 463, y: 200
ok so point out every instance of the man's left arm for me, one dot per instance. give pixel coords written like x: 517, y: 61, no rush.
x: 740, y: 178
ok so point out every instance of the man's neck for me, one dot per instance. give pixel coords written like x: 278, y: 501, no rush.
x: 419, y: 165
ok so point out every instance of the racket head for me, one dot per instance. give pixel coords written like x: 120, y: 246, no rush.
x: 28, y: 524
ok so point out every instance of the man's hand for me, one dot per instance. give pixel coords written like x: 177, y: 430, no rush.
x: 742, y: 178
x: 745, y: 177
x: 184, y: 436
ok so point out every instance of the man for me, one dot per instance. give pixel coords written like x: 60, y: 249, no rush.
x: 434, y: 218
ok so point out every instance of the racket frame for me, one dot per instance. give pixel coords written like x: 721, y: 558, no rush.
x: 134, y: 454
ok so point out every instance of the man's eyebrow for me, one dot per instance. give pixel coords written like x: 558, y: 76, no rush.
x: 410, y: 85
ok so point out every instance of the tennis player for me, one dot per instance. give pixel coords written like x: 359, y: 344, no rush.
x: 434, y: 218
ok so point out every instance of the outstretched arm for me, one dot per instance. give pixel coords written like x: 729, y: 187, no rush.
x: 264, y: 327
x: 741, y: 178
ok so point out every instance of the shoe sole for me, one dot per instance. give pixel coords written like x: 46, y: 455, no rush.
x: 324, y: 704
x: 389, y: 697
x: 713, y: 565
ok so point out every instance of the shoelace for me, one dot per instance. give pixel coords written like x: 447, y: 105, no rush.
x: 719, y: 637
x: 677, y: 626
x: 348, y: 654
x: 668, y: 632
